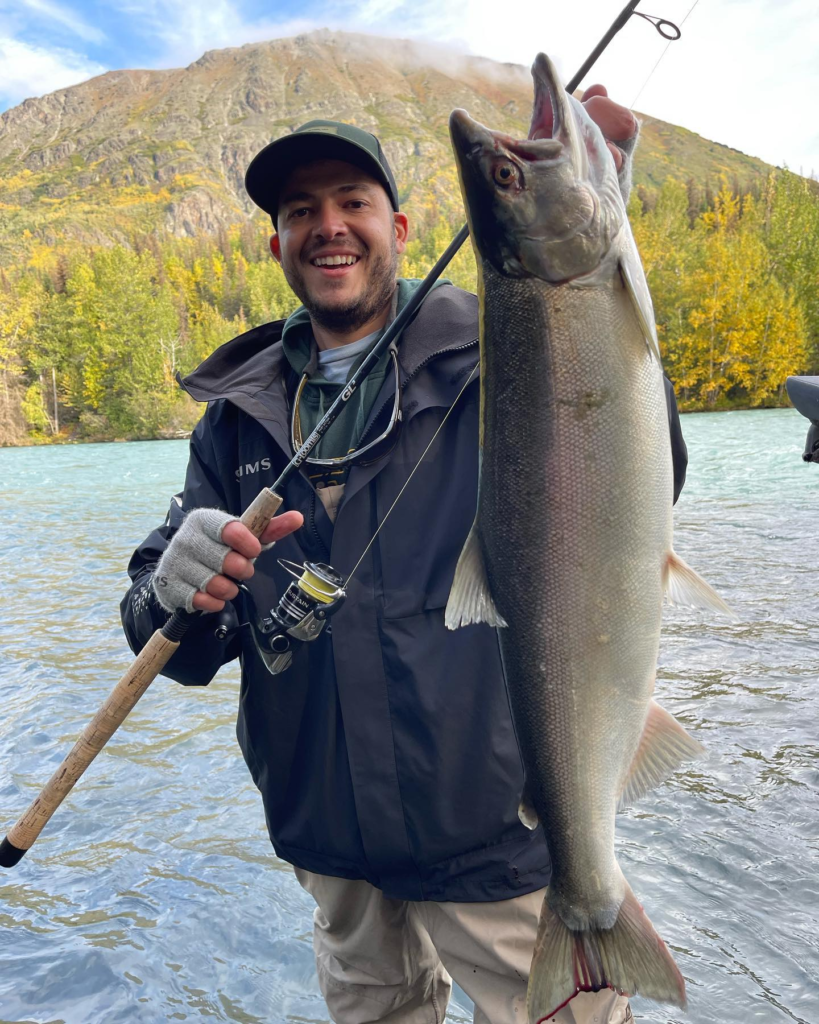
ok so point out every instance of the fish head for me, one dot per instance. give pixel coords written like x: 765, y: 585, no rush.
x: 548, y: 206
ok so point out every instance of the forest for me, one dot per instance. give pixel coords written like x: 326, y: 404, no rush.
x: 92, y: 338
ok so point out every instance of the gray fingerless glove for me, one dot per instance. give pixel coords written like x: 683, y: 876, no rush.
x: 195, y: 555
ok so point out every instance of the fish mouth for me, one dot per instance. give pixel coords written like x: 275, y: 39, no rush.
x: 552, y: 116
x: 471, y: 139
x: 531, y: 204
x: 553, y: 133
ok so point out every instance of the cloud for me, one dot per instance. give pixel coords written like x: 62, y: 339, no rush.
x: 724, y: 83
x: 185, y: 29
x: 57, y: 14
x: 723, y: 79
x: 27, y: 70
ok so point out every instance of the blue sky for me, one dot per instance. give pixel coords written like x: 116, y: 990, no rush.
x: 47, y: 44
x: 745, y: 73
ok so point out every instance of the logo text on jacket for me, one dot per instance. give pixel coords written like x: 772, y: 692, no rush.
x: 252, y: 467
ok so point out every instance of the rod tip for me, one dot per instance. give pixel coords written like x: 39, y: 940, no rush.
x: 10, y: 854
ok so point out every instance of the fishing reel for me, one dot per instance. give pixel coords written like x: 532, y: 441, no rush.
x: 314, y: 596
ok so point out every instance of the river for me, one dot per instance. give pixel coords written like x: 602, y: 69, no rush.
x: 153, y: 894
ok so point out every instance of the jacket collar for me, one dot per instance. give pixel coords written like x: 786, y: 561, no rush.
x: 249, y: 370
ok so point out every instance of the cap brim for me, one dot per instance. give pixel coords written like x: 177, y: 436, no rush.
x: 271, y: 167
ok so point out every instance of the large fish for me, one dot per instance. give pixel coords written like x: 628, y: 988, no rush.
x: 570, y: 551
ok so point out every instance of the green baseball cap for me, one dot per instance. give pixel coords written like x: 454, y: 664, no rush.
x: 316, y: 140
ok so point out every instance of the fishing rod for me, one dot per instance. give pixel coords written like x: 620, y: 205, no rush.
x: 315, y: 594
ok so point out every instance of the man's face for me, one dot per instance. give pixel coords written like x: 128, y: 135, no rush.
x: 332, y: 208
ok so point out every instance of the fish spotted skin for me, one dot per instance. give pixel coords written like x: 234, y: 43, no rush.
x: 574, y: 530
x: 571, y: 549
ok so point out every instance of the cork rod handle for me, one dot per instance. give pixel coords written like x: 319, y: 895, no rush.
x: 148, y: 663
x: 260, y: 511
x: 115, y: 708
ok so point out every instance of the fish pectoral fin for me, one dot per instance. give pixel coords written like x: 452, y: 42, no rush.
x: 526, y: 810
x: 470, y: 600
x: 631, y: 271
x: 683, y: 586
x: 664, y: 746
x: 629, y: 957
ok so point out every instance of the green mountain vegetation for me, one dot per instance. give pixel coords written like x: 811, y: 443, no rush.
x: 129, y: 250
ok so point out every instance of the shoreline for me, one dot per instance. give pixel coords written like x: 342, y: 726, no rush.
x: 185, y: 435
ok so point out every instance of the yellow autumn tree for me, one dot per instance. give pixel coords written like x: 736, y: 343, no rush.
x: 267, y: 295
x: 423, y: 252
x: 19, y: 307
x: 745, y: 333
x: 670, y: 252
x: 789, y: 223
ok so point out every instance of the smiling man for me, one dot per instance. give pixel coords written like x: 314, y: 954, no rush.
x: 345, y: 275
x: 385, y: 754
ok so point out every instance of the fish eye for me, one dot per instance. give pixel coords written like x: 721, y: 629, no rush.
x: 506, y: 174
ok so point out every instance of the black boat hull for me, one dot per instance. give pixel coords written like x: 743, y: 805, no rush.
x: 804, y: 395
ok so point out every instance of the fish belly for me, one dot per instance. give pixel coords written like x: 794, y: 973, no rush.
x: 574, y: 521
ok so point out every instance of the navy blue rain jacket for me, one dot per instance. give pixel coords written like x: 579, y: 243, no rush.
x: 386, y: 752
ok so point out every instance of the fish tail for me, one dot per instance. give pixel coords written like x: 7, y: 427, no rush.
x: 629, y: 957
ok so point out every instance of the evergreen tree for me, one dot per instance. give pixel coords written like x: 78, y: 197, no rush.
x: 91, y: 340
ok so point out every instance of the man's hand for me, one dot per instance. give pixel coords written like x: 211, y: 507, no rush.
x: 211, y: 543
x: 237, y: 564
x: 617, y: 123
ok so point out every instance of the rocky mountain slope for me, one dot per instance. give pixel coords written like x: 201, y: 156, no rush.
x: 167, y: 150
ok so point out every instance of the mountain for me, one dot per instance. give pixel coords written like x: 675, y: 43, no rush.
x: 167, y: 150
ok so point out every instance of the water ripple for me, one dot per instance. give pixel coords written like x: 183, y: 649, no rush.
x: 154, y: 894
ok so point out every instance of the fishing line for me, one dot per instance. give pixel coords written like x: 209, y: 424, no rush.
x: 417, y: 464
x: 671, y: 39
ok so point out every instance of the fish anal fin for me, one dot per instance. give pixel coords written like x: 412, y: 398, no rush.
x: 664, y: 746
x: 629, y: 957
x: 470, y: 599
x: 684, y: 586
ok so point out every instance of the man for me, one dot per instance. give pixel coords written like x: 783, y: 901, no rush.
x: 385, y: 754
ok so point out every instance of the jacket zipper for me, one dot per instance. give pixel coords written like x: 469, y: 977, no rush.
x: 418, y: 368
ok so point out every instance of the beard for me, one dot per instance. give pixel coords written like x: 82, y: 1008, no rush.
x: 340, y: 319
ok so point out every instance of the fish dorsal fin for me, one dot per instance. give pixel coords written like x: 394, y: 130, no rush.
x: 634, y: 279
x: 470, y: 599
x: 684, y: 586
x: 664, y: 746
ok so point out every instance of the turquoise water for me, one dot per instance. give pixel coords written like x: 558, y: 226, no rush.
x: 153, y: 894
